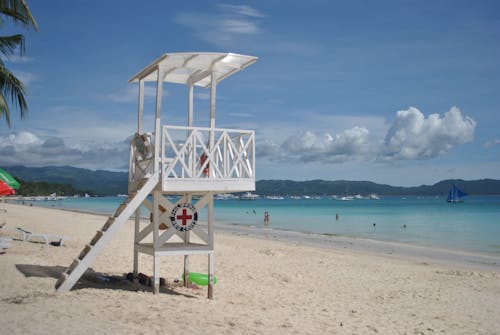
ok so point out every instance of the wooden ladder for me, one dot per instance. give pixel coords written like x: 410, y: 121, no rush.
x: 102, y: 237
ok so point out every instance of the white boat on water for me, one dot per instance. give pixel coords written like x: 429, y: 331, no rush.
x: 274, y: 197
x: 346, y: 198
x: 374, y: 196
x: 224, y: 196
x: 248, y: 196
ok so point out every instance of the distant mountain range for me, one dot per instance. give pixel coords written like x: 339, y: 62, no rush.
x: 98, y: 182
x: 111, y: 183
x: 345, y: 187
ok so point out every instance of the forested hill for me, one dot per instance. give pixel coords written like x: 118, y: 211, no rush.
x: 344, y: 187
x: 112, y: 183
x: 96, y: 182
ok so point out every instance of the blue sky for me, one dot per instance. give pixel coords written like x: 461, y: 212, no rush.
x: 397, y: 92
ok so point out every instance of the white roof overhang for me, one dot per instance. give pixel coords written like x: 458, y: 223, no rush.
x: 194, y: 68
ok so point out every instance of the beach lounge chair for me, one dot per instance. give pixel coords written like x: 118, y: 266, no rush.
x: 27, y: 236
x: 4, y: 244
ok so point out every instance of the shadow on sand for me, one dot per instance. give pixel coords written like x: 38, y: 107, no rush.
x: 95, y: 280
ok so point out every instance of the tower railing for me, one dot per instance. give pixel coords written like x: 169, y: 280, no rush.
x: 200, y: 158
x: 200, y: 153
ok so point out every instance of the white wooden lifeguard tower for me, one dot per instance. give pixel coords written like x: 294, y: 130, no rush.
x: 189, y: 164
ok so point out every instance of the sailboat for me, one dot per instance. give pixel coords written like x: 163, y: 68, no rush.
x: 455, y: 194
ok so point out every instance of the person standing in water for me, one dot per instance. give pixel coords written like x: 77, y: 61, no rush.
x: 266, y: 218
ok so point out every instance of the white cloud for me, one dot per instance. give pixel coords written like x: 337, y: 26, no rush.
x: 413, y: 136
x: 310, y: 147
x: 19, y: 59
x: 202, y: 96
x: 241, y: 10
x: 228, y: 24
x: 131, y: 93
x: 492, y: 143
x: 241, y: 115
x: 26, y: 77
x: 238, y: 26
x: 25, y: 148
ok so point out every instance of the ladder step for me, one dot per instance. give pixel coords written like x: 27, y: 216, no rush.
x: 108, y: 224
x: 120, y: 209
x: 143, y: 182
x: 84, y: 252
x: 91, y: 250
x: 138, y: 185
x: 97, y: 237
x: 73, y: 266
x: 61, y: 280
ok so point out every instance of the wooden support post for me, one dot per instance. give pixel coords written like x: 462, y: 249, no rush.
x: 136, y: 240
x: 156, y: 273
x: 213, y: 90
x: 141, y: 106
x: 192, y: 153
x: 156, y: 237
x: 211, y: 262
x: 159, y: 92
x: 189, y: 198
x: 186, y: 271
x: 190, y: 105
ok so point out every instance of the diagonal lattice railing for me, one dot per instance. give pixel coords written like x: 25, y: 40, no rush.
x: 187, y: 153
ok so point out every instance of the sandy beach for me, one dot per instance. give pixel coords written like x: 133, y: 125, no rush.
x: 266, y: 285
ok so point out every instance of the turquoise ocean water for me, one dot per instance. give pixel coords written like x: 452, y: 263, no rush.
x: 473, y: 225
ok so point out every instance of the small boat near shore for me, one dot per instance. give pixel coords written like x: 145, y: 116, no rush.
x: 248, y: 196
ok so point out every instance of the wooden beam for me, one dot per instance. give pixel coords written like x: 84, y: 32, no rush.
x: 159, y: 92
x: 140, y: 113
x: 211, y: 262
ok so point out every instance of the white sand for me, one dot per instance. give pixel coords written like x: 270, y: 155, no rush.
x: 265, y: 286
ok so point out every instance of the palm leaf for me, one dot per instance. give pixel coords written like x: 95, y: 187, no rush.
x: 4, y: 109
x: 9, y: 44
x: 11, y: 87
x: 18, y: 11
x: 12, y: 90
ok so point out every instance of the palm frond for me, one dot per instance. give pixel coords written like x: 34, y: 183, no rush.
x: 4, y: 109
x: 18, y: 11
x: 9, y: 44
x: 11, y: 87
x: 12, y: 90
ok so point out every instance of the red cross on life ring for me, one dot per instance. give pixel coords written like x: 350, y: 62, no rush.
x: 184, y: 217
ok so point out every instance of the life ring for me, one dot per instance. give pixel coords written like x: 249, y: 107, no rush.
x: 203, y: 159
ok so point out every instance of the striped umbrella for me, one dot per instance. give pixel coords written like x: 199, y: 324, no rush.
x: 6, y: 189
x: 9, y: 180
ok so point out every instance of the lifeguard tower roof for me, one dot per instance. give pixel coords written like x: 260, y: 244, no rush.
x: 194, y: 68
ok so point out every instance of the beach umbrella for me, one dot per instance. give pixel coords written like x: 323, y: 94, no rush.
x: 6, y: 189
x: 9, y: 180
